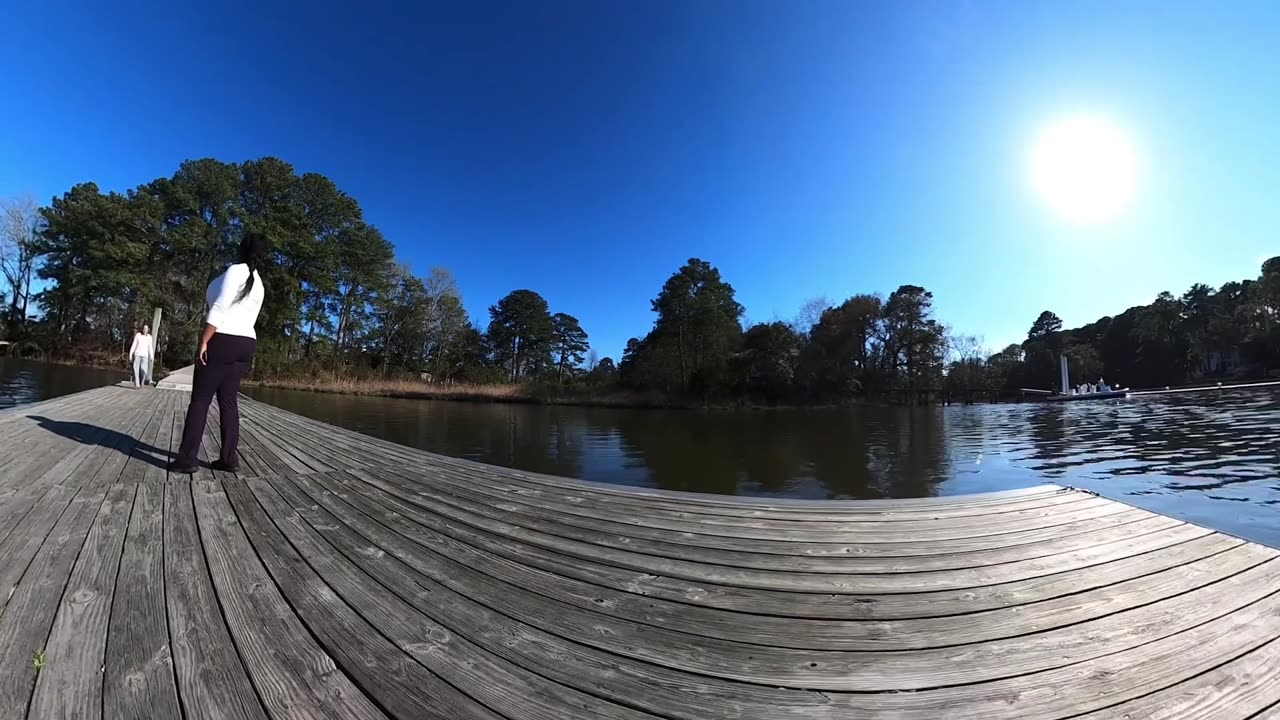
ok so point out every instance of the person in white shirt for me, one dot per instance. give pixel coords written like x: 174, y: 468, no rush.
x: 226, y: 348
x: 141, y: 354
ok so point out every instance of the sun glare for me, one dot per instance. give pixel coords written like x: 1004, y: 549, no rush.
x: 1085, y: 168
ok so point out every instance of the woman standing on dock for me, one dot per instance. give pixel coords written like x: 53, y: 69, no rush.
x: 140, y: 355
x: 226, y: 347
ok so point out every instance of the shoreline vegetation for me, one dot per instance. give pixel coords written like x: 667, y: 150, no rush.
x: 535, y: 394
x: 79, y: 275
x: 539, y: 395
x: 407, y: 389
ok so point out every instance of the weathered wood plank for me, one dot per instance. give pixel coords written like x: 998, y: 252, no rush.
x: 857, y: 557
x: 18, y: 413
x: 19, y: 500
x: 1110, y: 679
x: 651, y: 688
x: 30, y: 515
x: 283, y: 453
x: 807, y: 633
x: 321, y: 455
x: 304, y: 680
x: 24, y: 432
x: 792, y: 604
x: 582, y: 495
x: 167, y: 438
x: 212, y: 682
x: 1245, y: 687
x: 640, y: 513
x: 318, y: 456
x: 269, y: 462
x: 927, y: 581
x: 31, y: 606
x: 138, y: 680
x: 834, y: 670
x: 145, y: 454
x: 384, y: 579
x: 396, y: 669
x: 705, y: 501
x: 70, y: 685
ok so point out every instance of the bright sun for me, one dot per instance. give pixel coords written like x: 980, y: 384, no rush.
x: 1085, y: 168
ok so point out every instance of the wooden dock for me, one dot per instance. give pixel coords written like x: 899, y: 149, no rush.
x: 341, y: 576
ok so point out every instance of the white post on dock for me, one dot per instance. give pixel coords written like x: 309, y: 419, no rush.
x: 1066, y: 385
x: 155, y: 337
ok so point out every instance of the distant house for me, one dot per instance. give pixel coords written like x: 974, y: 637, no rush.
x: 1221, y: 362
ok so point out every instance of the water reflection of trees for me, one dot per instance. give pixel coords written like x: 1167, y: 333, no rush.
x: 1191, y: 441
x: 860, y: 452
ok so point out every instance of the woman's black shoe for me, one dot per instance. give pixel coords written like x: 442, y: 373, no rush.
x: 179, y: 470
x: 219, y: 465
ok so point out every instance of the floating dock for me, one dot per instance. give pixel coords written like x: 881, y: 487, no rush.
x: 341, y: 576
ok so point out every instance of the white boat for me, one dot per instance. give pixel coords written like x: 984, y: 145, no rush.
x: 1069, y: 394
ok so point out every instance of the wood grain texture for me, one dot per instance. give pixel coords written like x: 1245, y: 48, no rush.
x: 858, y: 557
x: 399, y: 683
x: 827, y: 670
x: 212, y: 682
x: 167, y: 439
x: 805, y: 633
x: 795, y: 604
x: 138, y: 680
x: 448, y: 656
x: 32, y: 604
x: 488, y: 519
x: 293, y: 675
x: 344, y: 576
x: 1246, y: 687
x: 653, y: 688
x: 70, y: 685
x: 62, y: 462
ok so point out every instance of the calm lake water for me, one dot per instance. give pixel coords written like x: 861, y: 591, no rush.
x: 26, y: 381
x: 1209, y: 457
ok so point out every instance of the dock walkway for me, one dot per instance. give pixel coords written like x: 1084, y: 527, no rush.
x: 341, y: 576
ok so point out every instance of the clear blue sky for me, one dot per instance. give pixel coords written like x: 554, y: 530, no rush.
x: 587, y: 149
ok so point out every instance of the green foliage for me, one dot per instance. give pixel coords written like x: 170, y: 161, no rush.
x: 1045, y: 325
x: 338, y: 303
x: 603, y: 374
x: 1233, y: 331
x: 521, y: 333
x: 839, y: 359
x: 912, y: 345
x: 335, y: 297
x: 697, y: 330
x: 568, y: 343
x: 768, y: 361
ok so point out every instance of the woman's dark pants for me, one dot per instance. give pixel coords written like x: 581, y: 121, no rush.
x: 228, y: 360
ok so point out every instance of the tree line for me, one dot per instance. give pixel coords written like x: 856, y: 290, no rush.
x: 1226, y: 333
x: 82, y: 273
x: 337, y: 301
x: 894, y: 349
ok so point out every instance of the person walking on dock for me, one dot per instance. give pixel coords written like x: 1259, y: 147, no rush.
x: 141, y: 354
x: 226, y: 347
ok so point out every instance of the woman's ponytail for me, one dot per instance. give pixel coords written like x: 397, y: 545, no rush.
x: 252, y: 248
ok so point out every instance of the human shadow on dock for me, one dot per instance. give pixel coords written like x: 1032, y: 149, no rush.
x: 87, y: 434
